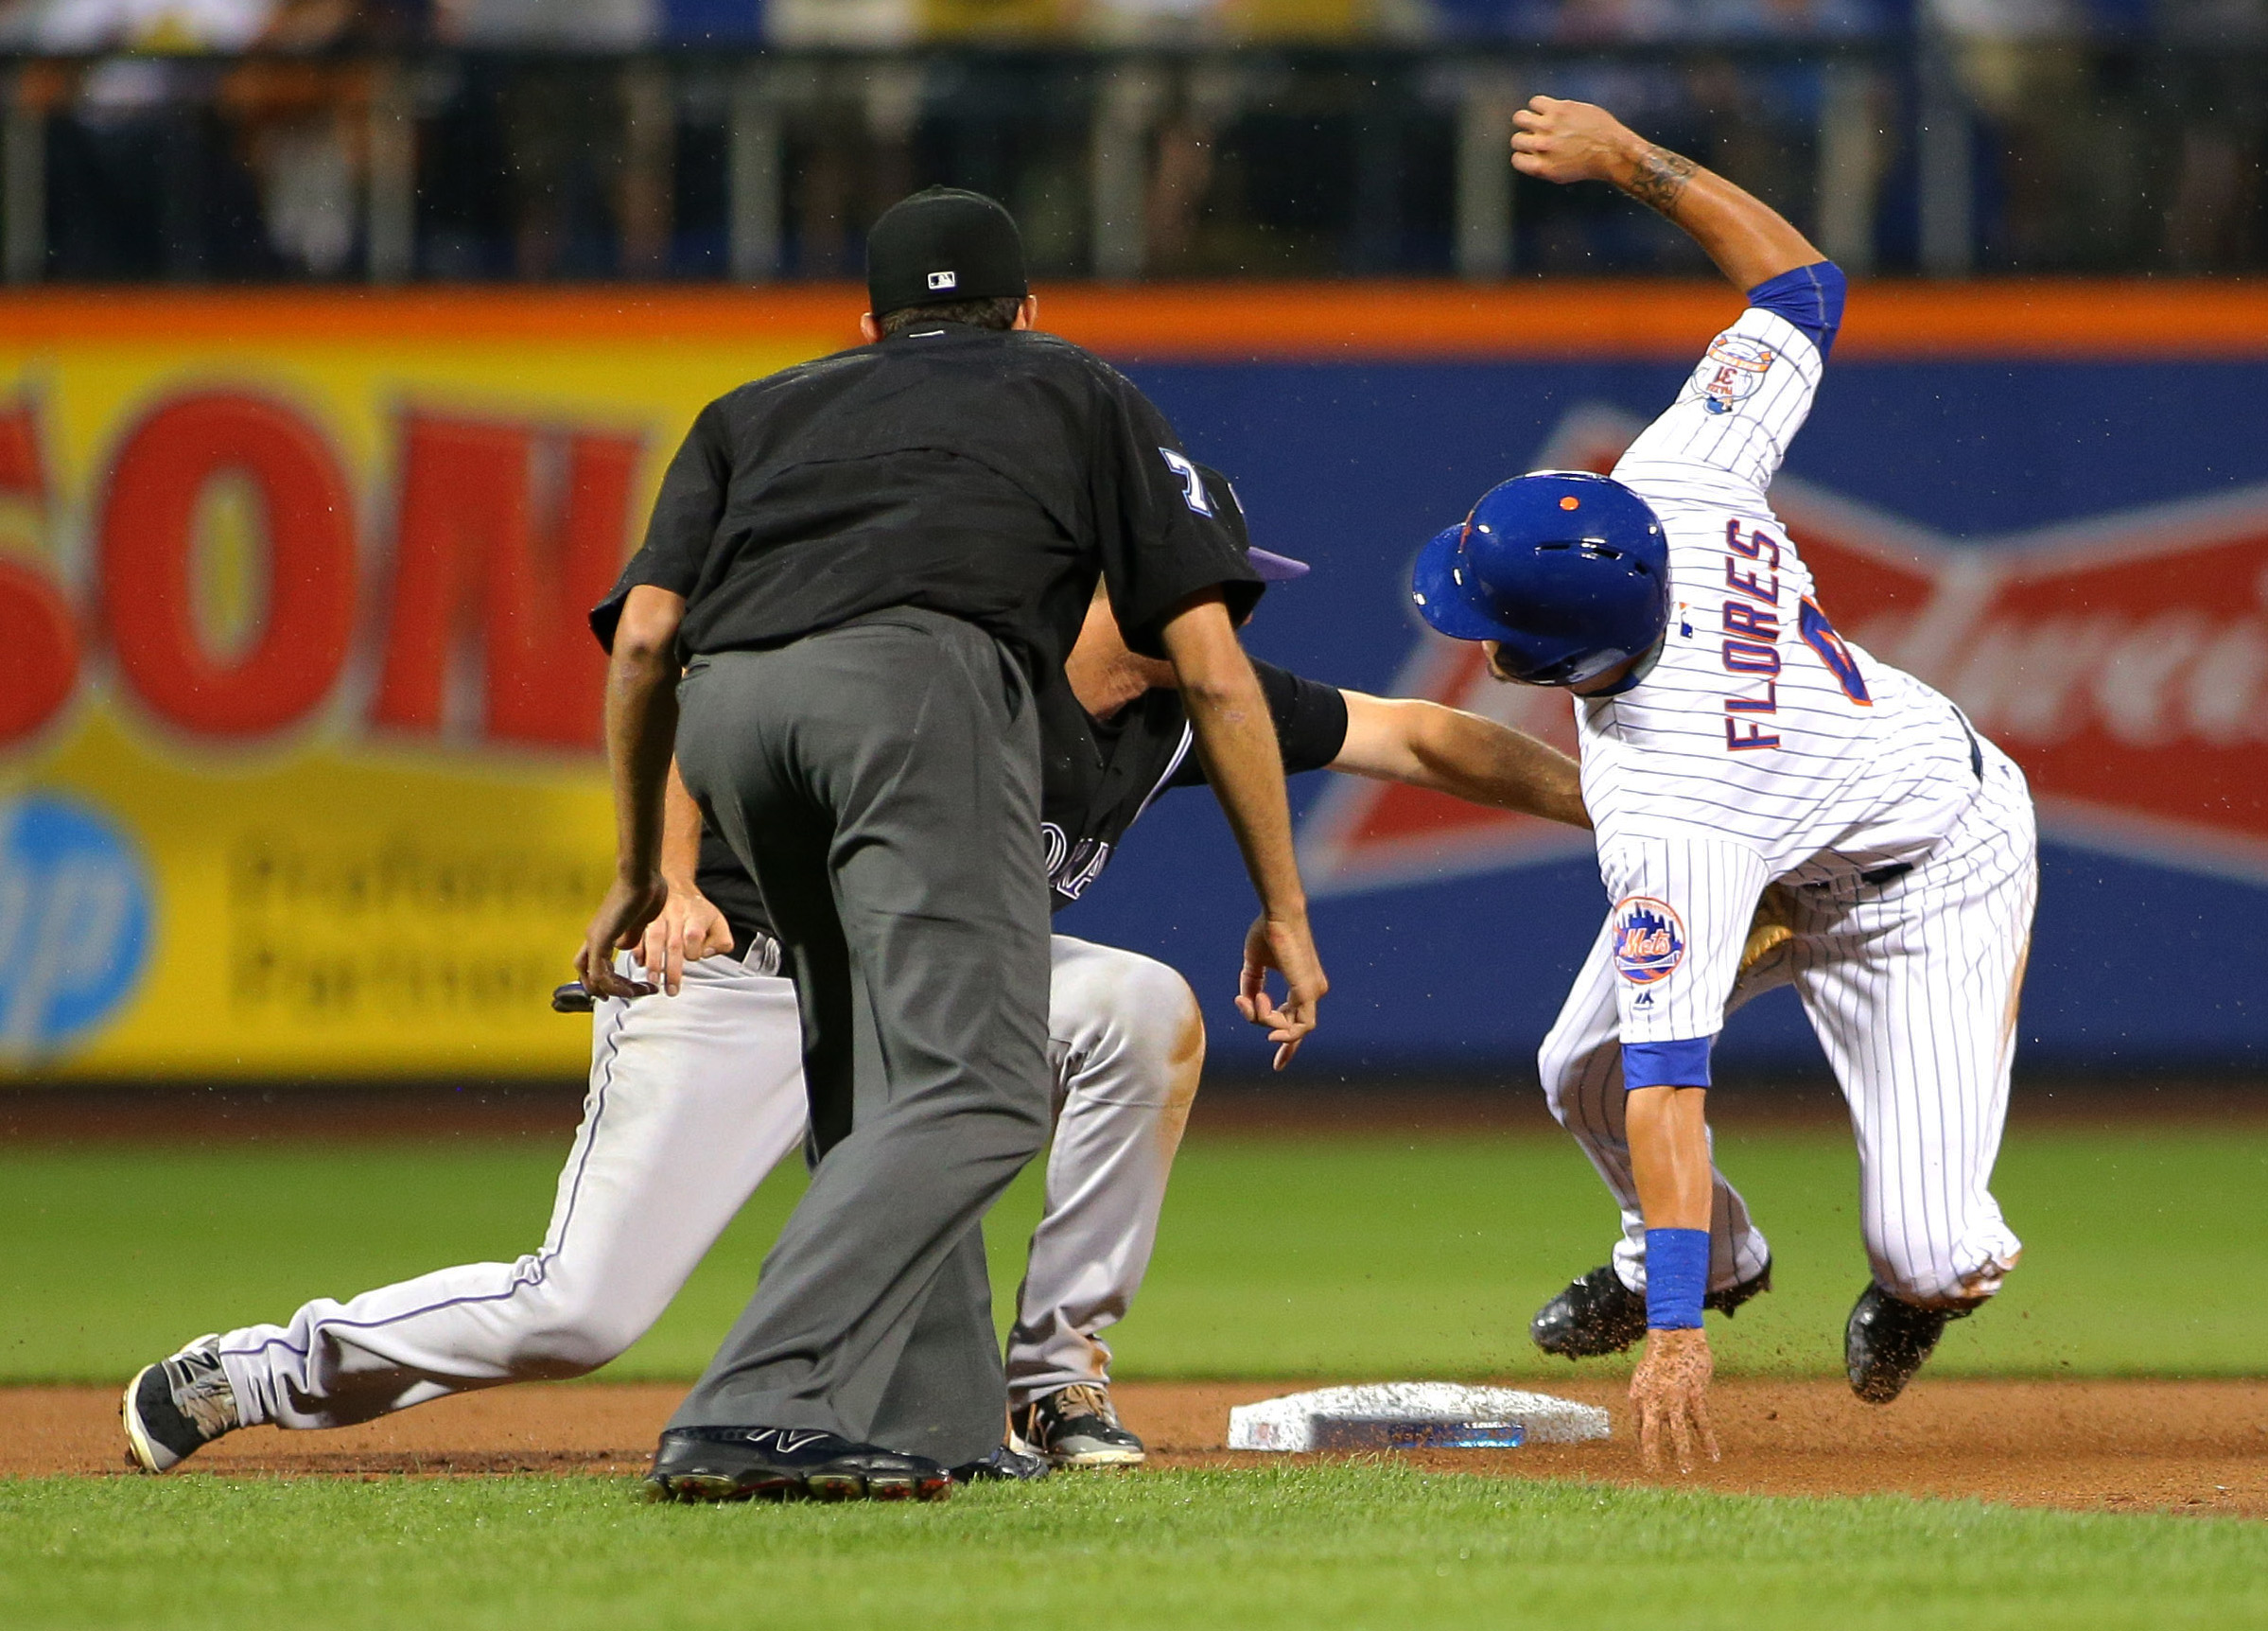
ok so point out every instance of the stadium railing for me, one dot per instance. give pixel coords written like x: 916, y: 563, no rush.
x: 1925, y: 155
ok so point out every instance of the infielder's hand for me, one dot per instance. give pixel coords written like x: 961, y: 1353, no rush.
x: 1565, y: 142
x: 620, y: 921
x: 688, y: 928
x: 1670, y: 1389
x: 1285, y: 945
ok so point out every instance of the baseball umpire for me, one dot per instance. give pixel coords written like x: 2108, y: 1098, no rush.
x: 860, y: 567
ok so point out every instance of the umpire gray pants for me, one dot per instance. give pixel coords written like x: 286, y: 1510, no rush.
x: 882, y: 781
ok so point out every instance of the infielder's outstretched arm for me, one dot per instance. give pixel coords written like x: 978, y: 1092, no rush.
x: 1750, y: 241
x: 1426, y: 745
x: 1236, y: 740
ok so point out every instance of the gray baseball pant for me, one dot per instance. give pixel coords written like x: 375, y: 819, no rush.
x: 882, y: 781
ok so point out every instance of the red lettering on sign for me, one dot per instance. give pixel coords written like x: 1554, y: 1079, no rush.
x: 145, y: 543
x: 486, y: 545
x: 39, y: 650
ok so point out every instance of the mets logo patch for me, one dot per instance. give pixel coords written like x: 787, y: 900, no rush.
x: 1650, y: 940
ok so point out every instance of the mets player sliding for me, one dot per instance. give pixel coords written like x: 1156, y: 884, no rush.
x: 1732, y: 740
x: 695, y: 1095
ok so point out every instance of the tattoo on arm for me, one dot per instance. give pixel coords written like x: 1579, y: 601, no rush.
x: 1660, y: 180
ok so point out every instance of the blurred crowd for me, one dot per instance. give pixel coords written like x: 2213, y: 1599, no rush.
x: 238, y: 139
x: 224, y: 26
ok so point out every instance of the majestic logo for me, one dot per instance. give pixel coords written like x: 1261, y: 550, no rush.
x: 2123, y: 661
x: 1734, y: 369
x: 1649, y: 939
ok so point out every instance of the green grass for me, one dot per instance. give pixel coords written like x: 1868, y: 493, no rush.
x: 1395, y: 1256
x: 1349, y: 1545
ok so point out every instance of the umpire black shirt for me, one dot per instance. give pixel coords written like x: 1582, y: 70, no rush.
x: 985, y: 475
x: 1098, y: 776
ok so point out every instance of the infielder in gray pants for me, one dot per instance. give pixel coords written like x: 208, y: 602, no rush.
x: 882, y: 781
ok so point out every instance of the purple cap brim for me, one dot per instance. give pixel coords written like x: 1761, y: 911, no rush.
x: 1276, y: 569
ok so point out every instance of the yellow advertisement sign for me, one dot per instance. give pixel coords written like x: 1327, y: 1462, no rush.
x: 299, y: 718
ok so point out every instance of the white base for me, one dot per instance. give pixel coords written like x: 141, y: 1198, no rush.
x: 1288, y: 1423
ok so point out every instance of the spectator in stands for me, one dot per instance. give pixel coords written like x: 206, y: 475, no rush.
x: 2024, y: 67
x: 2213, y: 222
x: 156, y: 189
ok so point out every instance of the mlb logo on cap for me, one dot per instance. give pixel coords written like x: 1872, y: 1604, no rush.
x: 943, y: 280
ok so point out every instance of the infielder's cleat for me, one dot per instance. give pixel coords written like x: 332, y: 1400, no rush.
x: 1005, y: 1464
x: 1888, y: 1338
x: 788, y: 1464
x: 1076, y: 1426
x: 1599, y: 1314
x: 176, y: 1407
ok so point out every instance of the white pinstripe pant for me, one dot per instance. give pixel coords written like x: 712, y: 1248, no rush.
x: 1911, y: 988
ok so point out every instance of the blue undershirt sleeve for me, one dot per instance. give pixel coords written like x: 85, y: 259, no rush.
x: 1810, y: 297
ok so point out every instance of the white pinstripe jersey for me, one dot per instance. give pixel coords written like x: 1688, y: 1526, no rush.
x: 1760, y: 746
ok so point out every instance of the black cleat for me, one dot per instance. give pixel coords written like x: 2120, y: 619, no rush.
x: 1728, y: 1301
x: 1076, y: 1426
x: 1595, y: 1315
x: 1887, y: 1340
x: 788, y: 1464
x: 1599, y: 1314
x: 178, y: 1406
x: 1003, y: 1466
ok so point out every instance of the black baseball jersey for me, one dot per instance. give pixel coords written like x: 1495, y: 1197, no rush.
x: 985, y: 475
x: 1099, y: 776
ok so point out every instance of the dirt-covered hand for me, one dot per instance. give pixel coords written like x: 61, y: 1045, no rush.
x: 1670, y: 1392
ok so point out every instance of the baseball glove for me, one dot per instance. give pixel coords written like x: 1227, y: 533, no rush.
x: 1772, y: 928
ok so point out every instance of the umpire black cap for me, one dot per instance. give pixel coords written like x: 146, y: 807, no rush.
x: 943, y: 245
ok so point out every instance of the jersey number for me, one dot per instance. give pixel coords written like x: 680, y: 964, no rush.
x: 1193, y: 485
x: 1818, y: 633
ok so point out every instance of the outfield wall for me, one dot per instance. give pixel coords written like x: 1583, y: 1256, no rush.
x: 298, y: 722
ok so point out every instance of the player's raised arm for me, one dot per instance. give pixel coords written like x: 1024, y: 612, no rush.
x: 1750, y: 242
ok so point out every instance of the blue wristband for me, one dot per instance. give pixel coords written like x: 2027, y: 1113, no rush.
x: 1677, y: 1273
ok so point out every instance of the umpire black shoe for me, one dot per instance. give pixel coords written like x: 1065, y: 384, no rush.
x: 1005, y: 1464
x: 788, y: 1464
x: 1887, y: 1340
x: 1076, y: 1426
x: 1599, y: 1314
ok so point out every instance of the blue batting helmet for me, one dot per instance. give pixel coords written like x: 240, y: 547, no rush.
x: 1568, y: 572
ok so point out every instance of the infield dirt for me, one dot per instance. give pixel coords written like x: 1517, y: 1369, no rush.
x: 2188, y: 1446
